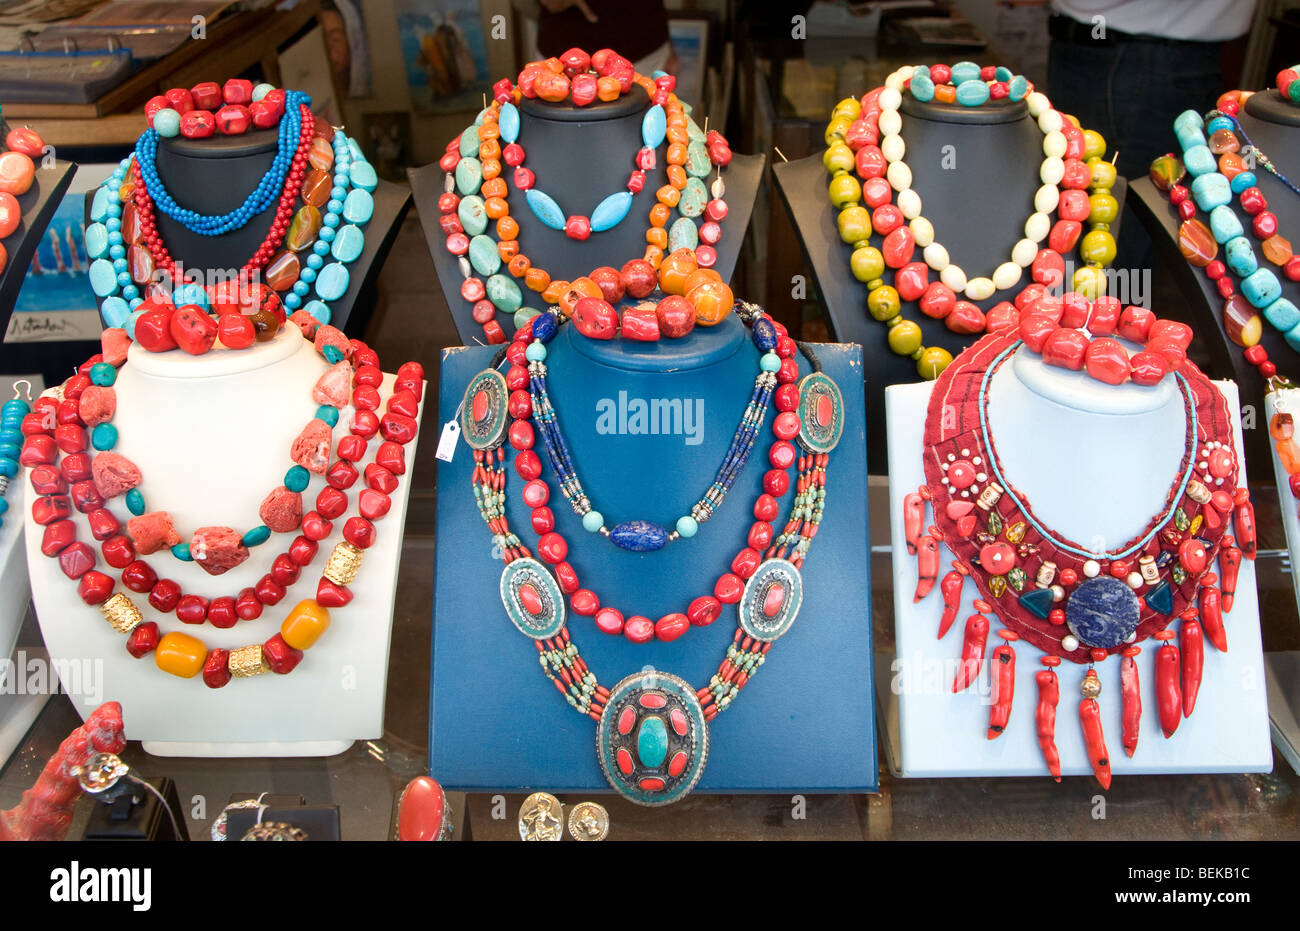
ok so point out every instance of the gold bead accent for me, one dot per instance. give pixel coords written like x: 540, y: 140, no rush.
x: 247, y: 661
x: 344, y: 563
x: 122, y: 615
x: 1090, y: 687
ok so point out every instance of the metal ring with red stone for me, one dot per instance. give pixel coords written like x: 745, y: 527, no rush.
x: 771, y: 600
x: 652, y: 740
x: 483, y: 412
x: 532, y: 599
x: 821, y: 413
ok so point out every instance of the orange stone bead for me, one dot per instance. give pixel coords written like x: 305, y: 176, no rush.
x: 699, y: 277
x: 677, y: 176
x: 180, y: 654
x: 607, y: 88
x: 660, y: 214
x: 304, y: 624
x: 1231, y: 165
x: 654, y: 255
x: 489, y: 129
x: 489, y: 148
x: 674, y: 271
x: 537, y: 279
x: 1277, y: 250
x: 576, y: 291
x: 551, y: 293
x: 945, y: 93
x: 496, y: 207
x: 668, y: 195
x: 676, y: 154
x: 677, y: 134
x: 519, y: 265
x: 712, y: 301
x: 316, y: 188
x: 507, y: 228
x: 508, y: 249
x: 494, y: 188
x: 491, y: 169
x: 657, y: 236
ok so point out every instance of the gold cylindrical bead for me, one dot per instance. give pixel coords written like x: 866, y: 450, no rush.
x: 247, y: 661
x: 344, y: 563
x: 122, y: 615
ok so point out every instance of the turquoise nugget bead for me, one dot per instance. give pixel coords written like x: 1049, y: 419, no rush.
x: 1262, y: 289
x: 103, y: 374
x: 1189, y: 138
x: 1282, y: 314
x: 1199, y: 160
x: 114, y: 310
x: 96, y: 239
x: 1241, y: 181
x: 329, y: 414
x: 1239, y: 256
x: 1292, y: 336
x: 135, y: 502
x: 1188, y: 118
x: 103, y: 436
x: 333, y: 354
x: 469, y: 142
x: 103, y: 280
x: 536, y: 352
x: 257, y: 536
x: 182, y: 552
x: 1224, y: 224
x: 1210, y: 191
x: 296, y: 478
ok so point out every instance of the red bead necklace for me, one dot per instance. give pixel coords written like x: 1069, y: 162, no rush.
x: 1057, y: 337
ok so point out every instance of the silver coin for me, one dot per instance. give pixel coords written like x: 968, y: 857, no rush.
x: 588, y: 821
x: 541, y: 817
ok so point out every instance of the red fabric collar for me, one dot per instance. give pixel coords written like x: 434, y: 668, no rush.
x: 953, y: 428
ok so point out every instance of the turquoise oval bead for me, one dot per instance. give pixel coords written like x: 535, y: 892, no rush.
x: 483, y: 255
x: 524, y: 314
x: 652, y: 742
x: 1002, y: 73
x: 1262, y: 288
x: 135, y: 502
x: 469, y: 176
x: 99, y: 205
x: 469, y: 142
x: 190, y: 293
x: 697, y: 160
x: 1210, y: 191
x: 654, y: 126
x: 96, y: 240
x: 103, y: 436
x: 359, y: 206
x: 545, y: 208
x: 261, y: 91
x: 129, y: 326
x: 333, y: 354
x: 687, y: 526
x: 114, y: 310
x: 167, y: 122
x: 504, y: 294
x: 508, y: 122
x: 694, y: 198
x: 1239, y: 256
x: 257, y: 536
x: 693, y: 131
x: 922, y: 86
x: 1242, y: 180
x: 103, y: 279
x: 1282, y: 314
x: 1017, y: 87
x: 332, y: 281
x: 182, y: 552
x: 610, y: 212
x: 472, y: 212
x: 965, y: 71
x: 1224, y: 224
x: 1199, y: 160
x: 348, y: 243
x: 1189, y: 138
x: 318, y: 309
x: 593, y: 521
x: 362, y: 175
x: 296, y: 478
x: 972, y: 93
x: 103, y: 375
x: 682, y: 235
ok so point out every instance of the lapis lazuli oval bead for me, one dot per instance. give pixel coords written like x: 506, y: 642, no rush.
x: 764, y: 334
x: 545, y: 327
x: 508, y: 122
x: 96, y: 240
x: 654, y: 126
x: 638, y: 536
x: 545, y: 208
x: 103, y: 279
x: 359, y: 206
x: 114, y: 310
x: 610, y: 212
x: 332, y: 282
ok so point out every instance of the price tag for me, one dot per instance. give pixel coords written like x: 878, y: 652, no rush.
x: 447, y: 442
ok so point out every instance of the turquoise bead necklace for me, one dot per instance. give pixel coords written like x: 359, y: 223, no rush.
x: 12, y: 413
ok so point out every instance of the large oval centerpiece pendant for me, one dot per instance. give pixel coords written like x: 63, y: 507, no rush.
x: 652, y: 739
x: 771, y: 600
x: 532, y: 599
x: 483, y: 410
x: 821, y: 413
x: 1102, y: 612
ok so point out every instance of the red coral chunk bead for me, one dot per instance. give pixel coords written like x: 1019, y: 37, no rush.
x: 729, y: 588
x: 331, y: 503
x: 373, y: 504
x: 76, y: 560
x: 221, y: 613
x: 192, y: 609
x: 269, y: 592
x: 143, y: 640
x: 95, y: 587
x: 279, y: 656
x: 164, y: 596
x: 639, y: 629
x: 332, y: 595
x: 139, y: 576
x: 552, y: 548
x: 57, y: 536
x: 704, y: 610
x: 567, y: 577
x: 216, y: 668
x: 359, y: 532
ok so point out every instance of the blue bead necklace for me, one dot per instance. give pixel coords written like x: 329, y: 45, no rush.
x: 12, y: 413
x: 263, y: 196
x: 643, y: 535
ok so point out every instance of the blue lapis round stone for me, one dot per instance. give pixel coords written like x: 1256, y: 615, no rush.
x: 1102, y: 612
x: 638, y: 536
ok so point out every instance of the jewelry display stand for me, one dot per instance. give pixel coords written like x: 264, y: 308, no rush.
x: 976, y: 170
x: 211, y: 435
x: 580, y: 154
x: 805, y: 721
x: 213, y: 175
x: 1271, y: 123
x: 38, y: 206
x: 1063, y: 439
x: 1283, y: 667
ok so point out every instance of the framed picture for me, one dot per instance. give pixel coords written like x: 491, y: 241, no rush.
x: 690, y: 38
x: 445, y: 54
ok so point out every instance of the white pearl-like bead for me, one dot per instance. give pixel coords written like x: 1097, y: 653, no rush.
x: 1046, y: 198
x: 1054, y: 144
x: 1038, y: 226
x: 1038, y: 104
x: 899, y: 176
x: 1134, y: 580
x: 922, y: 231
x: 1051, y: 171
x: 889, y: 123
x: 1069, y: 643
x: 1091, y: 568
x: 936, y: 256
x: 953, y: 277
x: 893, y: 147
x: 979, y: 289
x: 909, y: 202
x: 1024, y: 252
x: 892, y: 96
x: 1050, y: 121
x: 1005, y: 275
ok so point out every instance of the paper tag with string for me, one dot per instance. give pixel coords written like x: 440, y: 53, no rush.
x: 447, y: 441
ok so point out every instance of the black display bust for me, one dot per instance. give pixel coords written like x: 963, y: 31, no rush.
x: 214, y: 175
x: 1272, y: 124
x: 976, y: 171
x: 580, y: 156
